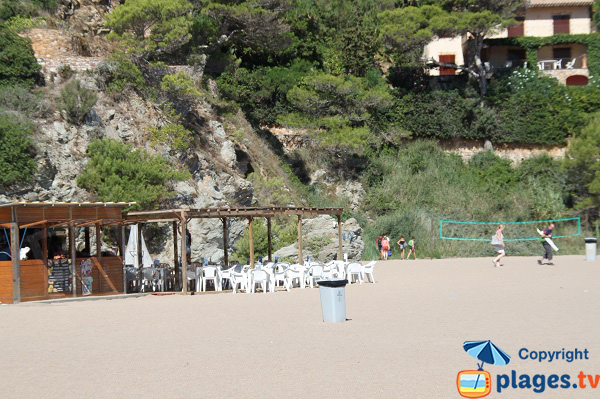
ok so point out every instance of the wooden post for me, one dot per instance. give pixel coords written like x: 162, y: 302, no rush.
x: 175, y: 256
x: 45, y: 255
x: 340, y: 249
x: 73, y: 254
x: 251, y: 239
x: 88, y: 246
x: 122, y: 251
x: 269, y: 248
x: 15, y: 255
x: 300, y: 261
x: 225, y: 243
x: 183, y: 252
x: 98, y: 251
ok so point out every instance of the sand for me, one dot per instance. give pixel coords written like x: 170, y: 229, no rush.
x: 404, y: 339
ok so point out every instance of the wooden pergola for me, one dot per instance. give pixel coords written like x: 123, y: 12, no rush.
x: 183, y: 216
x: 28, y: 279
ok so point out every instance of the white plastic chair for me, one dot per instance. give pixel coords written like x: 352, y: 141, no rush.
x: 367, y: 272
x: 149, y: 278
x: 558, y: 64
x: 571, y: 64
x: 354, y: 271
x: 209, y: 273
x: 314, y: 273
x: 224, y: 277
x: 258, y: 276
x: 296, y: 272
x: 238, y: 279
x: 280, y: 276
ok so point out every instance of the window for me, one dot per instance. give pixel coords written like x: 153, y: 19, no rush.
x: 561, y: 53
x: 561, y: 24
x: 516, y: 57
x: 447, y: 59
x: 518, y: 29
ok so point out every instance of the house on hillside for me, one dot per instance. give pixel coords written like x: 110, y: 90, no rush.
x: 553, y: 36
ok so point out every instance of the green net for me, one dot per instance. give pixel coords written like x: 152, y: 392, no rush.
x: 513, y: 231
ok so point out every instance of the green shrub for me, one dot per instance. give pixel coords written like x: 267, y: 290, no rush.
x: 18, y: 64
x: 20, y: 99
x: 76, y: 101
x: 17, y: 161
x: 174, y: 135
x: 117, y: 172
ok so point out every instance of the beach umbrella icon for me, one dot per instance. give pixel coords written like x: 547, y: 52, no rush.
x: 487, y: 352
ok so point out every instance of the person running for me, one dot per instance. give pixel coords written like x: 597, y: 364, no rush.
x: 411, y: 248
x: 547, y: 248
x: 385, y: 247
x: 498, y: 244
x: 378, y: 241
x: 402, y: 243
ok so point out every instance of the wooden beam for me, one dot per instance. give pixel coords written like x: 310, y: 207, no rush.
x: 45, y: 255
x: 300, y: 261
x: 89, y: 223
x: 5, y: 225
x: 340, y: 243
x: 25, y: 226
x: 122, y: 248
x: 73, y: 254
x: 251, y: 240
x: 269, y: 247
x: 183, y: 253
x: 175, y: 257
x: 15, y: 257
x: 225, y: 243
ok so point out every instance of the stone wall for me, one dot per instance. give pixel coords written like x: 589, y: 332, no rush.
x: 514, y: 152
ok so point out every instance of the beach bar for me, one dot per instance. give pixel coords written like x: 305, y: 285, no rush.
x: 181, y: 217
x: 47, y: 232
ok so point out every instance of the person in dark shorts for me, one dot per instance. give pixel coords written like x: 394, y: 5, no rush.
x: 402, y: 243
x: 379, y: 246
x: 547, y: 248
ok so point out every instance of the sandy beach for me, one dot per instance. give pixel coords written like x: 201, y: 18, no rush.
x: 403, y: 340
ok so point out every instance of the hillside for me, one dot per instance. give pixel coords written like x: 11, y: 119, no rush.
x: 211, y: 103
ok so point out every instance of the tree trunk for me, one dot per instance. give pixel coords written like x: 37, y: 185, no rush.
x: 475, y: 47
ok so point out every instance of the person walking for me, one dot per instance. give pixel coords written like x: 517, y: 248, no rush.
x: 547, y: 248
x: 498, y: 244
x: 402, y: 243
x: 385, y: 247
x: 378, y: 241
x: 411, y: 248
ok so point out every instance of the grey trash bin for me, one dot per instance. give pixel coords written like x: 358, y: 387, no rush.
x: 333, y: 300
x: 590, y: 249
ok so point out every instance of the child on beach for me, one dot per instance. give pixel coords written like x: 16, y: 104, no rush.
x: 385, y: 247
x: 498, y: 244
x: 411, y: 248
x: 402, y: 243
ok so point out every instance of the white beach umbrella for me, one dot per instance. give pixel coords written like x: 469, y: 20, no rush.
x: 131, y: 253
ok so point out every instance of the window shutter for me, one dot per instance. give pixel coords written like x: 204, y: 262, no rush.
x: 561, y: 24
x: 447, y: 59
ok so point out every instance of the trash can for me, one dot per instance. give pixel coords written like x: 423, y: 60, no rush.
x: 333, y: 300
x: 590, y: 249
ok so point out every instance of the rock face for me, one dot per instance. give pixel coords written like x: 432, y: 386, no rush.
x: 320, y: 240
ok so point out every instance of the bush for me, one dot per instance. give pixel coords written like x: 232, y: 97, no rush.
x: 18, y: 64
x: 173, y: 135
x: 76, y: 101
x: 16, y: 152
x: 117, y: 172
x: 21, y: 100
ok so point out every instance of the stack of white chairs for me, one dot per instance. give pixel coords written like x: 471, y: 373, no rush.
x: 354, y: 271
x: 261, y: 277
x: 150, y: 277
x: 194, y: 273
x: 209, y: 273
x: 367, y: 271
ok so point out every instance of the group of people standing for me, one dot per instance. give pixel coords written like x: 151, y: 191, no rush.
x: 499, y: 246
x: 385, y: 248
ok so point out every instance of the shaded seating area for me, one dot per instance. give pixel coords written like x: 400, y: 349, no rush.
x: 192, y: 275
x: 40, y: 259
